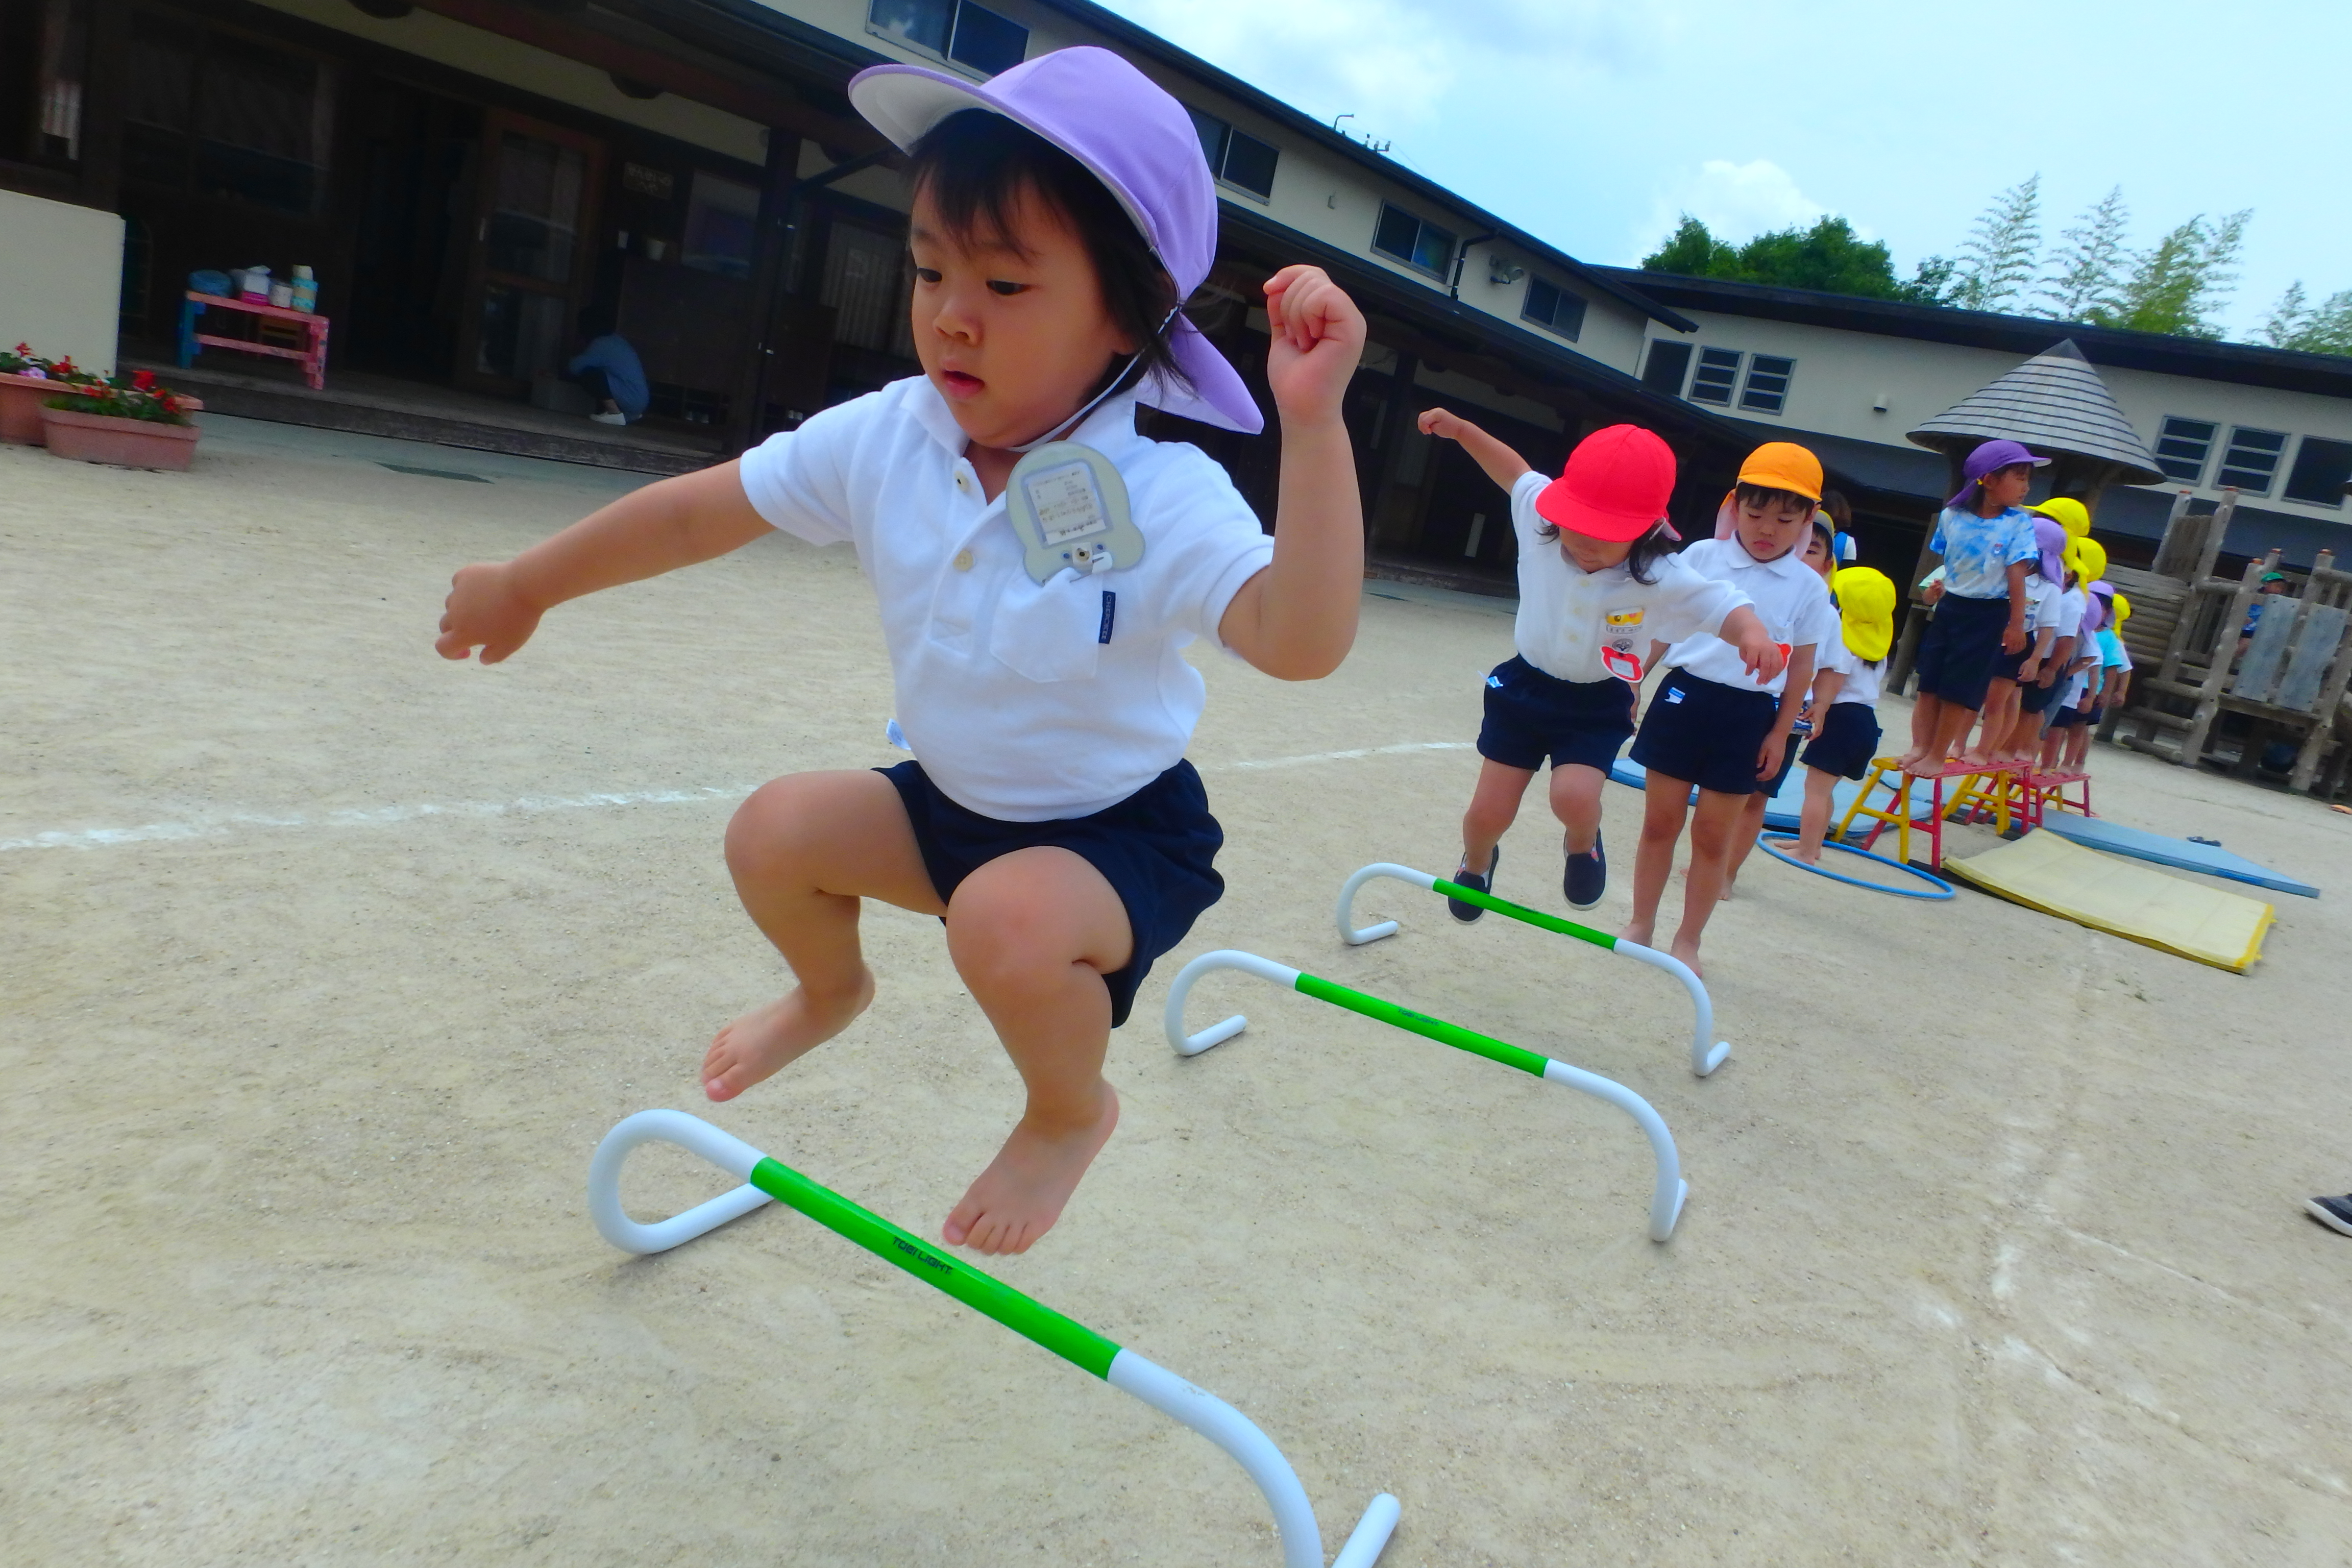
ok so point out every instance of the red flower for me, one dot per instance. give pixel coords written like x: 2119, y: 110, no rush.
x: 144, y: 381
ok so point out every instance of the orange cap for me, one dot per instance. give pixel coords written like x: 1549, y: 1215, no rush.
x: 1784, y: 465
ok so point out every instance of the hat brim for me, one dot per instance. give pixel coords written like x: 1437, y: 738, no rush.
x: 1555, y: 505
x: 2029, y: 460
x: 905, y: 103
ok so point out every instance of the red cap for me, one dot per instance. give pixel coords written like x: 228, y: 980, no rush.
x: 1616, y: 484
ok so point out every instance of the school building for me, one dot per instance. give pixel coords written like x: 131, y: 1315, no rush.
x: 466, y: 176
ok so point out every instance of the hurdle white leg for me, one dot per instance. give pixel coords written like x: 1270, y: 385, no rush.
x: 1186, y: 1044
x: 1668, y: 1191
x: 1293, y: 1514
x: 1705, y: 1057
x: 1348, y: 932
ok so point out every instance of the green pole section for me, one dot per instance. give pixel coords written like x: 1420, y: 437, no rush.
x: 1521, y: 912
x: 1422, y: 1024
x: 1073, y: 1342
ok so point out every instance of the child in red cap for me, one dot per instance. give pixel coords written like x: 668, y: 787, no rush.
x: 1596, y: 584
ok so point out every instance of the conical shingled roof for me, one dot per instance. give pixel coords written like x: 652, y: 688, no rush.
x: 2054, y: 402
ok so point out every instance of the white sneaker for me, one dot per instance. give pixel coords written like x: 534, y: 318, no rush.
x: 610, y: 418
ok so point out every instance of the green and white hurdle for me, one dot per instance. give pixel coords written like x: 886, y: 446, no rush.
x: 1667, y: 1194
x: 1705, y: 1057
x: 765, y: 1178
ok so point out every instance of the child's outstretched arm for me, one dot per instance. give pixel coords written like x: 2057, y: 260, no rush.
x: 1503, y: 464
x: 1744, y: 629
x: 677, y: 522
x: 1297, y: 620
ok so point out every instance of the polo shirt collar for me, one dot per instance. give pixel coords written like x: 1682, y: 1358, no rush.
x: 1109, y: 429
x: 1786, y: 564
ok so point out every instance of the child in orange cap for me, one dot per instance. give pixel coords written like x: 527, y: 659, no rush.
x: 1596, y: 581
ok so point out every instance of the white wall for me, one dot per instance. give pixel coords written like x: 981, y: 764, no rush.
x: 64, y: 270
x: 1840, y: 373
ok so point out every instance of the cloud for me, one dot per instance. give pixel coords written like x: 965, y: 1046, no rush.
x: 1736, y: 201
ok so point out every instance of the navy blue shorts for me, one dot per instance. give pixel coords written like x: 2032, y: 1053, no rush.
x: 1706, y: 731
x: 1154, y: 848
x: 2067, y: 718
x: 1531, y: 716
x: 1957, y: 655
x: 1848, y: 741
x: 2032, y: 696
x: 2005, y: 666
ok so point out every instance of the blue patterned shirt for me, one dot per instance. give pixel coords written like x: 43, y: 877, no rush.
x: 1978, y: 551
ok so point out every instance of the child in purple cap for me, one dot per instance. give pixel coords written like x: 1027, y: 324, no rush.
x: 1986, y: 539
x: 2029, y: 666
x: 1062, y: 214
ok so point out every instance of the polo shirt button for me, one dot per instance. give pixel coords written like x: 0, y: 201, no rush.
x: 963, y: 483
x: 963, y: 557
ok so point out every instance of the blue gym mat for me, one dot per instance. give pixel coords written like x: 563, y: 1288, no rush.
x: 2098, y: 833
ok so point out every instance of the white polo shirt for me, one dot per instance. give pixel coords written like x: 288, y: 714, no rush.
x: 1863, y: 681
x: 1790, y: 597
x: 1569, y: 617
x: 2069, y: 619
x: 1006, y: 691
x: 2041, y: 597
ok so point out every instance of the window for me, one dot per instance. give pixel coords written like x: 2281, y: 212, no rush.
x: 2182, y: 446
x: 2320, y: 469
x: 1768, y: 383
x: 1234, y: 157
x: 957, y: 30
x: 1413, y: 242
x: 722, y: 222
x: 1666, y: 366
x: 225, y: 117
x: 1719, y: 372
x: 1552, y: 307
x: 2252, y: 460
x: 44, y: 49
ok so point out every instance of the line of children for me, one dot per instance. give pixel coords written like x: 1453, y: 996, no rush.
x: 1596, y: 581
x: 1986, y: 539
x: 1063, y: 211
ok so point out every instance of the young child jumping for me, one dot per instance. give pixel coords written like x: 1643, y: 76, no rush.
x: 1062, y: 214
x: 1985, y: 541
x: 1718, y: 721
x: 1596, y: 582
x: 1845, y: 697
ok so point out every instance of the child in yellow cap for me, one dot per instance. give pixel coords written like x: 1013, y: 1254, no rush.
x: 1846, y: 696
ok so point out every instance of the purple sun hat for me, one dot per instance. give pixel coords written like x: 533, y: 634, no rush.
x: 2049, y: 538
x: 1992, y: 455
x: 1134, y: 138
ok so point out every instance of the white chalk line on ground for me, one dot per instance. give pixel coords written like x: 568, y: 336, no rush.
x: 224, y: 825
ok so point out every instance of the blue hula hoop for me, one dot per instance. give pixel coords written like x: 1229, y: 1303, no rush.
x: 1937, y: 889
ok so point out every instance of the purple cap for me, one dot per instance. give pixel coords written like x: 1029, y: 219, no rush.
x: 2049, y: 538
x: 1992, y: 455
x: 2095, y: 613
x: 1136, y: 140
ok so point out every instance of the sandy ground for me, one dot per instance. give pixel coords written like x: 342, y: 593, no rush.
x: 1993, y: 1254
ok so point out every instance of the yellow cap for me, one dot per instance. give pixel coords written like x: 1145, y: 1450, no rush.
x: 2122, y: 610
x: 2067, y: 513
x: 1865, y: 599
x: 1784, y: 465
x: 2088, y: 557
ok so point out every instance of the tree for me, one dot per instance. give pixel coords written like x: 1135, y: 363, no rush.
x: 1998, y: 261
x: 2322, y: 329
x: 1931, y: 282
x: 2180, y: 282
x: 2086, y: 272
x: 1829, y: 257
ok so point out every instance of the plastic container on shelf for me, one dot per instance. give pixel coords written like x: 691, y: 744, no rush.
x: 305, y: 292
x: 282, y: 295
x: 254, y: 285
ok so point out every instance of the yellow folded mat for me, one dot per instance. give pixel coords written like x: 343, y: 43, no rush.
x: 2105, y: 892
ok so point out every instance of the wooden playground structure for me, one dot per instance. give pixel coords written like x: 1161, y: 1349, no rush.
x: 2286, y: 681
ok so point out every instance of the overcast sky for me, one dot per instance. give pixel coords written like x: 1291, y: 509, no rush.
x: 1594, y: 123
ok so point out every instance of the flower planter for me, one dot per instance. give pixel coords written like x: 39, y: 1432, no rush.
x: 21, y: 397
x: 123, y: 443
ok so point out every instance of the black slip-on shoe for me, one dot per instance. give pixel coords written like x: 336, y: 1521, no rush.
x: 1464, y: 912
x: 2335, y: 1213
x: 1586, y: 876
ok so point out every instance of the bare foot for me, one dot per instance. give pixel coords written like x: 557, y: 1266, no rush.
x: 1637, y: 932
x: 763, y: 1040
x: 1810, y: 857
x: 1728, y: 884
x: 1020, y: 1196
x: 1909, y: 759
x: 1688, y: 950
x: 1921, y: 768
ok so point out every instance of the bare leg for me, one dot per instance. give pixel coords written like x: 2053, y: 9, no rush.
x: 1717, y: 819
x: 1952, y: 722
x: 803, y: 850
x: 1494, y: 806
x: 1743, y: 835
x: 1814, y: 826
x: 1033, y: 934
x: 1926, y: 715
x: 1664, y: 803
x: 1576, y: 801
x: 2000, y: 702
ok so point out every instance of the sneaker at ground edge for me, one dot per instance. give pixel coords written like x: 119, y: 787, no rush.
x: 1586, y: 877
x: 2335, y: 1213
x: 1465, y: 911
